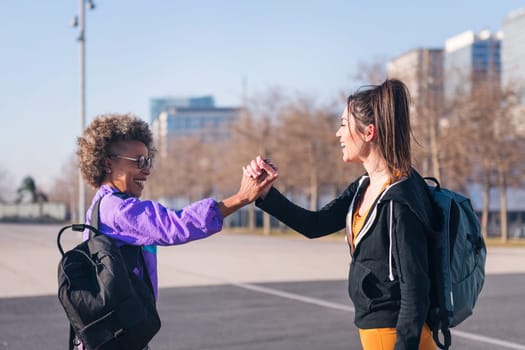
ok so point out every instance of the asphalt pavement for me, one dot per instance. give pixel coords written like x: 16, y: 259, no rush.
x: 235, y: 291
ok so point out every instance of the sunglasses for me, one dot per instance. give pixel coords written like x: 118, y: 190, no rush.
x: 142, y: 161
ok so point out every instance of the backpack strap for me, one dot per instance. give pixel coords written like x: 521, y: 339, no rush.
x: 71, y: 345
x: 435, y: 181
x: 439, y: 319
x: 132, y: 254
x: 74, y: 342
x: 94, y: 218
x: 447, y: 338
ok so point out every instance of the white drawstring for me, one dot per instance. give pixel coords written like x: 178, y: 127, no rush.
x: 390, y: 233
x: 370, y: 221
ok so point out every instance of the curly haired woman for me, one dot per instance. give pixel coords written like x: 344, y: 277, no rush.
x: 115, y: 155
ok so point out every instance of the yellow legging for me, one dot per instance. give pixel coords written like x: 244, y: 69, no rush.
x: 385, y: 339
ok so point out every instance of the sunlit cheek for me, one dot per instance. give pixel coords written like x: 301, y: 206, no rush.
x: 348, y: 138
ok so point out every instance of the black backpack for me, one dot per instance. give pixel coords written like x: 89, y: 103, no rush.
x: 107, y: 305
x: 457, y: 263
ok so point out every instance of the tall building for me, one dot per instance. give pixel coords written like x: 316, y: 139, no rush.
x: 422, y: 71
x: 470, y: 58
x: 513, y: 50
x: 184, y: 119
x: 158, y: 105
x: 513, y: 61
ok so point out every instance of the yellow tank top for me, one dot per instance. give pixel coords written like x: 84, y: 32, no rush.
x: 358, y: 221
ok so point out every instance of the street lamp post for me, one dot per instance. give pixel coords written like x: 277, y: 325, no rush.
x: 80, y: 22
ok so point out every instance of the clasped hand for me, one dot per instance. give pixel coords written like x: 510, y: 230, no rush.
x: 258, y: 178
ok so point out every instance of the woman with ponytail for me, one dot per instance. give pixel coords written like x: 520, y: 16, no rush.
x: 387, y: 214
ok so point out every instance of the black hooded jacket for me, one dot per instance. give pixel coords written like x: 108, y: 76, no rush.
x: 388, y: 277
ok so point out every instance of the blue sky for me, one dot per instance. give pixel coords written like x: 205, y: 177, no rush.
x: 142, y: 49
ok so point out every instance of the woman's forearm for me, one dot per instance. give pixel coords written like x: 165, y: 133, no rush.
x: 231, y: 204
x: 312, y: 224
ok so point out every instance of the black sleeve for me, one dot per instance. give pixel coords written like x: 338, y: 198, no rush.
x: 312, y: 224
x: 412, y: 266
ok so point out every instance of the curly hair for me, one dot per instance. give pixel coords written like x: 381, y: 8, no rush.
x: 104, y: 131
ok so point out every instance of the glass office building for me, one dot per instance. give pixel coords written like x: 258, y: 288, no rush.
x: 470, y: 58
x: 513, y: 61
x: 160, y: 104
x: 422, y: 71
x: 202, y: 121
x: 513, y: 50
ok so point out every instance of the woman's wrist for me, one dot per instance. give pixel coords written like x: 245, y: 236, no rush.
x: 231, y: 204
x: 264, y: 194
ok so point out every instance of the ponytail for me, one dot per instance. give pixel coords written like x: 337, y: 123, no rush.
x: 387, y: 107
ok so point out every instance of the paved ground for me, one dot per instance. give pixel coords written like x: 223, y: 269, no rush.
x: 240, y: 292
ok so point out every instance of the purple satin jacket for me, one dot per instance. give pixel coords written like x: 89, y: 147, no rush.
x: 149, y: 224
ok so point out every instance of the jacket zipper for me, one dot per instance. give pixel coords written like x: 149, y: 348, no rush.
x: 369, y: 221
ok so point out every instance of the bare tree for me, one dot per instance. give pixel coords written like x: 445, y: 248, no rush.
x: 299, y: 152
x: 65, y: 187
x: 186, y: 173
x: 469, y: 148
x: 311, y: 153
x: 508, y: 162
x: 237, y: 151
x: 372, y: 72
x: 427, y: 111
x: 480, y: 146
x: 255, y: 134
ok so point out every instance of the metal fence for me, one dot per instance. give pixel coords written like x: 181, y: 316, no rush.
x: 34, y: 212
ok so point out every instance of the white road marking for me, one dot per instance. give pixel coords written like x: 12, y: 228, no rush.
x: 308, y: 300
